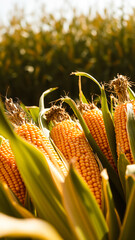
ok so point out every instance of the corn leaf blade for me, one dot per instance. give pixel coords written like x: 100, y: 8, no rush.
x: 111, y: 214
x: 9, y: 204
x: 34, y: 112
x: 41, y: 119
x: 109, y: 125
x: 128, y: 226
x: 33, y: 228
x: 130, y: 179
x: 83, y: 211
x: 131, y: 128
x: 1, y: 139
x: 88, y: 76
x: 121, y: 165
x: 83, y: 98
x: 131, y: 93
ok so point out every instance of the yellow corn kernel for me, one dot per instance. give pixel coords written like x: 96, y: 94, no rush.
x: 9, y: 172
x: 34, y: 135
x: 95, y: 123
x: 72, y: 142
x: 120, y: 120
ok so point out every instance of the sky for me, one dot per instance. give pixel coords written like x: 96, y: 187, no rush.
x: 65, y: 6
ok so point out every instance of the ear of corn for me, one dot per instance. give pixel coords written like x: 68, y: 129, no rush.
x: 120, y: 85
x: 33, y: 134
x: 9, y: 172
x: 95, y: 123
x: 120, y: 119
x: 72, y: 143
x: 99, y: 122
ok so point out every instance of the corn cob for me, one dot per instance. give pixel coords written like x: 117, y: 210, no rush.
x: 94, y: 120
x: 72, y: 143
x: 120, y: 85
x: 9, y: 172
x: 31, y: 133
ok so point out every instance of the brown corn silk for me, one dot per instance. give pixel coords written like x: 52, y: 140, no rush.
x: 94, y: 120
x: 72, y: 143
x: 9, y: 172
x: 120, y: 85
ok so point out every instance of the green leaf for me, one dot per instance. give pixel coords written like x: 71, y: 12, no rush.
x: 128, y: 226
x: 112, y: 217
x: 88, y: 76
x: 112, y: 107
x: 130, y: 179
x: 131, y: 128
x: 81, y: 95
x: 1, y: 139
x: 131, y: 94
x: 109, y: 125
x: 112, y: 173
x: 121, y: 165
x: 84, y: 213
x: 10, y: 205
x: 41, y: 119
x: 44, y: 94
x: 34, y: 112
x: 28, y: 204
x: 83, y: 98
x: 34, y: 228
x: 31, y: 111
x: 35, y: 172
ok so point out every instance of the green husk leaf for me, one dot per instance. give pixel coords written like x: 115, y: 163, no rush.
x: 83, y: 211
x: 112, y: 107
x: 1, y: 139
x: 81, y: 95
x: 112, y: 217
x: 109, y: 125
x: 28, y: 204
x: 31, y: 111
x: 61, y: 156
x: 131, y: 128
x: 112, y: 173
x: 9, y: 204
x: 128, y: 226
x: 130, y: 179
x: 83, y: 98
x: 44, y: 94
x: 34, y: 112
x: 34, y: 228
x: 131, y: 93
x: 41, y: 119
x: 88, y: 76
x: 121, y: 166
x: 37, y: 177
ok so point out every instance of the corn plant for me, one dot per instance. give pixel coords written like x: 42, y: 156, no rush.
x: 63, y: 206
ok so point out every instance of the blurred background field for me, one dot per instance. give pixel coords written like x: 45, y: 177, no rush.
x: 39, y: 51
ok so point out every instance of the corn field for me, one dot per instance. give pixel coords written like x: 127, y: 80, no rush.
x: 40, y: 55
